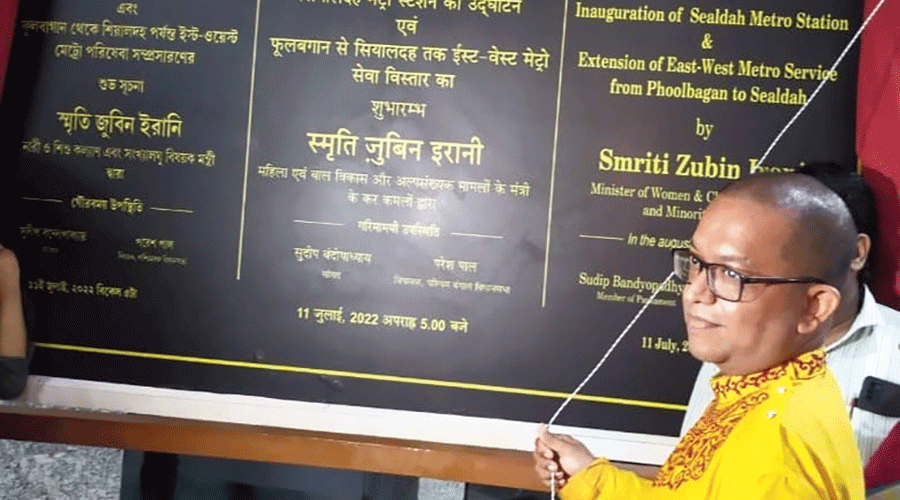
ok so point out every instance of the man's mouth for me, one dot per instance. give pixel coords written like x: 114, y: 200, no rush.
x: 694, y: 322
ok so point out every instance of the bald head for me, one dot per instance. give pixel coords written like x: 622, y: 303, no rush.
x: 824, y: 235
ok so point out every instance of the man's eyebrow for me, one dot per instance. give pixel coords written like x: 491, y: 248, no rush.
x: 723, y: 259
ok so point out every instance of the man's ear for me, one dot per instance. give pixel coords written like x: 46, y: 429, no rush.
x: 822, y: 301
x: 863, y: 245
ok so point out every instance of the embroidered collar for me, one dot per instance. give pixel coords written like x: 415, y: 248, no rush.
x: 731, y: 388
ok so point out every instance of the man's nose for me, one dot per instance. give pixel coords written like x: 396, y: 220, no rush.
x: 697, y: 289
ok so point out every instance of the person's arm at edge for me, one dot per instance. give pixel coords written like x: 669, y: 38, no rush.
x: 13, y: 337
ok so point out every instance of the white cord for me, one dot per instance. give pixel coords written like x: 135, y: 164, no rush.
x: 821, y: 84
x: 608, y: 351
x: 598, y: 365
x: 760, y: 162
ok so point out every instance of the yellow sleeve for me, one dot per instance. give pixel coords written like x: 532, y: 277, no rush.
x: 823, y: 449
x: 785, y: 485
x: 803, y: 469
x: 600, y: 480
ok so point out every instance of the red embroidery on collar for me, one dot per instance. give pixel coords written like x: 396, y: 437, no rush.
x: 804, y: 367
x: 809, y: 366
x: 695, y: 452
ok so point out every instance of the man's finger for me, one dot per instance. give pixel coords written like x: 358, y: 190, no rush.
x: 544, y: 464
x: 555, y: 442
x: 542, y: 448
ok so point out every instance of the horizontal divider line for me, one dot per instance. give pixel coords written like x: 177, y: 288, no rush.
x: 364, y: 376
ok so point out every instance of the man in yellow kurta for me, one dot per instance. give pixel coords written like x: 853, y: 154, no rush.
x: 761, y: 274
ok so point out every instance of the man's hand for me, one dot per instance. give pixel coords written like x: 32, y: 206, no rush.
x: 559, y: 456
x: 13, y: 339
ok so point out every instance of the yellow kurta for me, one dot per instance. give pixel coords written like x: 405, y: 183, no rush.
x: 778, y: 434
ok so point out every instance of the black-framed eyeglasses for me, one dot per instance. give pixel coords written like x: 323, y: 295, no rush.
x: 724, y: 282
